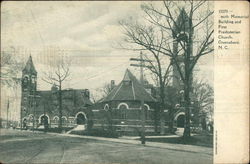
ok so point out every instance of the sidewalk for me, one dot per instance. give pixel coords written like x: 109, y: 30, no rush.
x: 170, y: 146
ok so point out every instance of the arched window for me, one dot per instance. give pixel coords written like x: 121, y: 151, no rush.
x: 26, y: 78
x: 56, y: 120
x: 64, y: 119
x: 31, y: 117
x: 122, y: 106
x: 123, y: 110
x: 25, y: 81
x: 106, y: 106
x: 33, y: 79
x: 147, y: 108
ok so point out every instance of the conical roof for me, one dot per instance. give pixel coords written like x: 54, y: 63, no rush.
x: 29, y: 67
x: 129, y: 89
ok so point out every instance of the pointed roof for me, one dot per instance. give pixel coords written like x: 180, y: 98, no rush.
x: 129, y: 89
x: 182, y: 22
x: 126, y: 76
x: 29, y: 67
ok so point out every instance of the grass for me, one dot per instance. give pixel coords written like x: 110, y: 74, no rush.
x: 98, y: 133
x: 198, y: 140
x: 54, y: 130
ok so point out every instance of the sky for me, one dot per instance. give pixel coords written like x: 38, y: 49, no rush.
x: 87, y: 32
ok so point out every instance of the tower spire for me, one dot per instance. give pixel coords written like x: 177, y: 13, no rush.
x: 29, y: 67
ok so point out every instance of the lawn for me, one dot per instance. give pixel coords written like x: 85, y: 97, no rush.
x: 198, y: 140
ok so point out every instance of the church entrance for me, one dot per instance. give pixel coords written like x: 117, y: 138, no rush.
x: 44, y: 121
x: 80, y: 119
x: 180, y: 121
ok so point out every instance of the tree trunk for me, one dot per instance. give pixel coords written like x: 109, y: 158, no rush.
x: 186, y: 133
x: 187, y: 86
x: 60, y: 107
x: 170, y: 121
x: 162, y: 105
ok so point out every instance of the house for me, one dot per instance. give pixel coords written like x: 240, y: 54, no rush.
x: 39, y: 108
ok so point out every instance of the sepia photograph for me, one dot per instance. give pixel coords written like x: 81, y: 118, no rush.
x: 97, y: 82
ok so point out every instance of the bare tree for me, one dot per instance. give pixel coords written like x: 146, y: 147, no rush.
x: 58, y: 73
x: 172, y: 31
x: 10, y: 67
x: 104, y: 90
x: 155, y: 62
x: 101, y: 92
x: 184, y: 28
x: 203, y: 99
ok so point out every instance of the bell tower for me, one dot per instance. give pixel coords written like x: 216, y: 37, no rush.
x: 28, y: 86
x: 181, y: 30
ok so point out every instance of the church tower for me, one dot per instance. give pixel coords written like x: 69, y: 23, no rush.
x: 180, y: 33
x: 28, y: 86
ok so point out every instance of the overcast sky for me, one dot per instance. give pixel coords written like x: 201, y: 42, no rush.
x: 87, y: 32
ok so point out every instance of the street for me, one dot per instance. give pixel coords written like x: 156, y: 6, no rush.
x: 28, y: 147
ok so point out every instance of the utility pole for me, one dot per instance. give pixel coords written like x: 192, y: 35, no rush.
x: 141, y: 65
x: 8, y: 105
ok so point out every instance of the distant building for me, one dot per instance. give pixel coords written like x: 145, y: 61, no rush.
x: 41, y: 107
x: 122, y: 107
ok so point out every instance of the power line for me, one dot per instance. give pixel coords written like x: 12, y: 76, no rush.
x: 102, y: 73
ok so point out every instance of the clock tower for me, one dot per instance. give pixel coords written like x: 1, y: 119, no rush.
x: 28, y: 86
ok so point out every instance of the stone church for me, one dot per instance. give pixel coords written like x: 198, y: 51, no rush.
x: 39, y: 108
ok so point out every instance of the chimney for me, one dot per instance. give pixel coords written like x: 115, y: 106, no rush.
x: 86, y: 93
x: 112, y: 84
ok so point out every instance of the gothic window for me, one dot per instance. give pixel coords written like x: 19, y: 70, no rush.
x: 25, y: 81
x: 33, y: 79
x: 106, y: 107
x: 26, y: 78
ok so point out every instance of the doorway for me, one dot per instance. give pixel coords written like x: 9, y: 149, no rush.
x: 180, y: 121
x: 80, y: 119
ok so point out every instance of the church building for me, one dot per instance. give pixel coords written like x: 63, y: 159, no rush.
x: 122, y: 107
x: 39, y: 108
